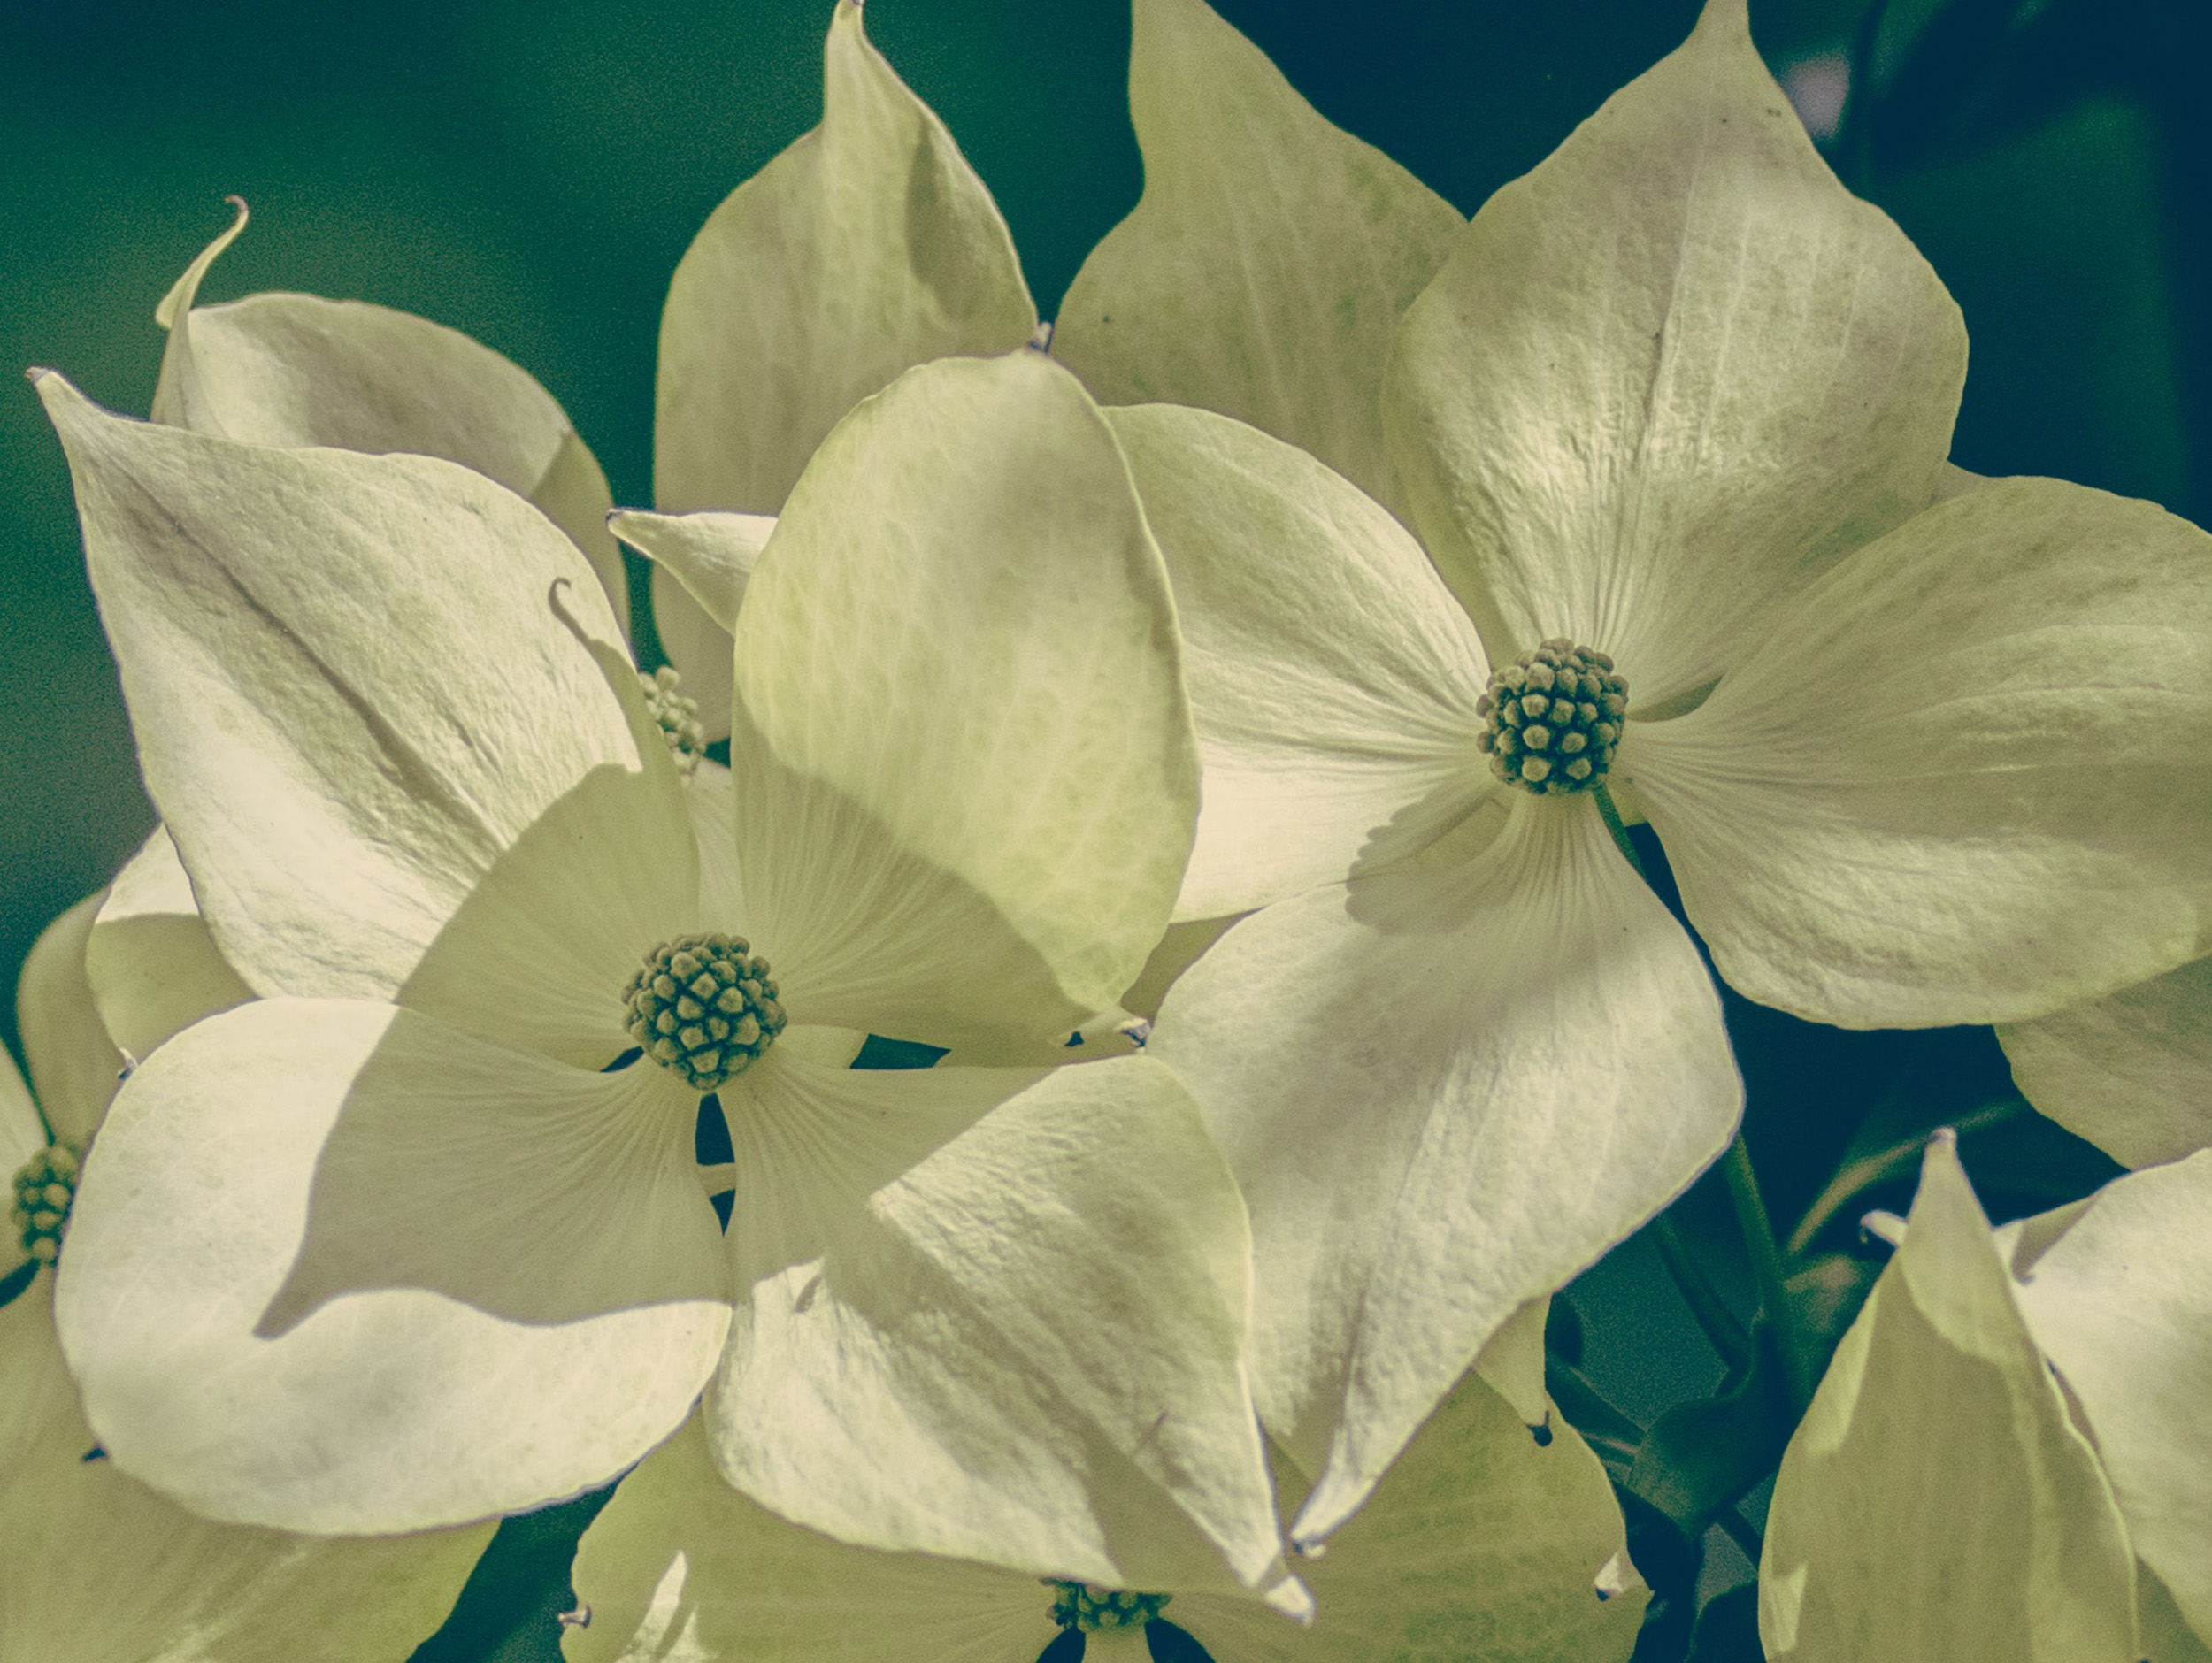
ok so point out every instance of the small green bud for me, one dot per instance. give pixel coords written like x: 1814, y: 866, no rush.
x: 702, y: 1007
x: 1551, y: 722
x: 1081, y: 1605
x: 679, y: 718
x: 44, y: 1190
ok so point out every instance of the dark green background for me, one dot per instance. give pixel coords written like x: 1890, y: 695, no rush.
x: 531, y: 173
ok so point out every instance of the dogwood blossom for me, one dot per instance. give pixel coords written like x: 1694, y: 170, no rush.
x: 2008, y: 1455
x: 1480, y: 1542
x: 95, y: 1568
x: 1671, y: 422
x: 417, y: 1235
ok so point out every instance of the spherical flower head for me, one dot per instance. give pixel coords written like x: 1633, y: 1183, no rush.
x: 1551, y: 720
x: 679, y: 718
x: 704, y: 1007
x: 1081, y: 1605
x: 43, y: 1191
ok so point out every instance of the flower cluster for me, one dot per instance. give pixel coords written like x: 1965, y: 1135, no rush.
x: 1213, y: 725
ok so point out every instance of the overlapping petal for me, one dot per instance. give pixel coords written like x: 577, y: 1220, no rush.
x: 153, y: 966
x: 1265, y: 268
x: 2118, y: 1294
x: 700, y: 565
x: 997, y: 1313
x: 868, y: 247
x: 1965, y: 776
x: 1333, y: 676
x: 355, y: 680
x: 964, y: 770
x: 1669, y: 375
x: 2131, y: 1073
x: 1443, y: 1092
x: 96, y: 1568
x: 72, y: 1060
x: 1936, y: 1502
x: 297, y: 369
x: 336, y: 1267
x: 1480, y: 1543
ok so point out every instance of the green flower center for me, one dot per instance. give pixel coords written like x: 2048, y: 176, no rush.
x: 679, y: 718
x: 43, y: 1190
x: 702, y: 1007
x: 1081, y: 1605
x: 1550, y: 722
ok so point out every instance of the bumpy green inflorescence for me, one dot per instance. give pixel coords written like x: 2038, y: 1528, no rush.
x: 43, y: 1190
x: 702, y: 1007
x: 1551, y: 722
x: 1081, y: 1605
x: 679, y: 718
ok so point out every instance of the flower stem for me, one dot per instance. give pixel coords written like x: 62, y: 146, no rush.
x: 1713, y: 1316
x: 1766, y: 1265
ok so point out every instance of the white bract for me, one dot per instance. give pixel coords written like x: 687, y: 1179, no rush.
x: 867, y: 247
x: 1480, y: 1543
x: 1672, y: 417
x: 1946, y: 1497
x: 413, y: 1239
x: 95, y: 1568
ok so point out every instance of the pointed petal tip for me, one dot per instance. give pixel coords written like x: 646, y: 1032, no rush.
x: 1293, y: 1599
x: 187, y: 288
x: 1725, y: 17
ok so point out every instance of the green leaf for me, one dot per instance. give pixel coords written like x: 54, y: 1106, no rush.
x: 1266, y: 266
x: 1937, y: 1502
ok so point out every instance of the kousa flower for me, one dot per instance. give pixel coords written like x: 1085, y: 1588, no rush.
x: 1481, y: 1543
x: 1671, y: 422
x: 2011, y: 1454
x: 418, y: 1235
x: 95, y: 1568
x: 867, y: 247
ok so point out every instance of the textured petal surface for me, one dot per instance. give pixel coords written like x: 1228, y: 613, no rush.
x: 1443, y: 1094
x: 151, y: 964
x: 540, y: 955
x: 1670, y: 375
x: 1966, y: 777
x: 964, y: 755
x: 680, y: 1567
x: 95, y: 1568
x: 712, y: 796
x: 354, y: 681
x: 868, y: 247
x: 1265, y: 268
x: 1478, y: 1544
x: 336, y: 1267
x: 995, y: 1314
x: 2131, y: 1073
x: 700, y: 565
x: 1936, y: 1502
x: 297, y: 369
x: 73, y: 1065
x: 2121, y: 1304
x: 1332, y: 675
